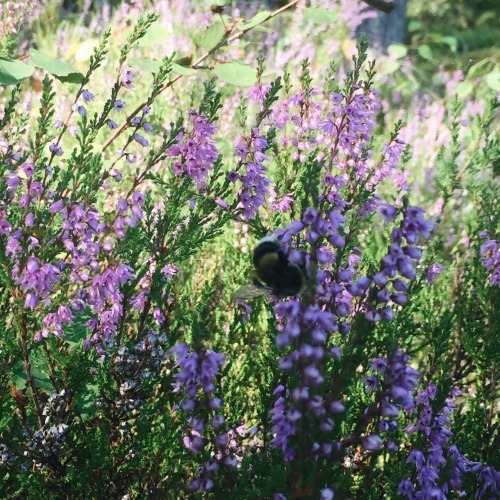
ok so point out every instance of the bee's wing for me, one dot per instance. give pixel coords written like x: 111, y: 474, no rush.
x: 250, y: 292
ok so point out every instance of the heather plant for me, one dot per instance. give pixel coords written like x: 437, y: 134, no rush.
x: 130, y: 205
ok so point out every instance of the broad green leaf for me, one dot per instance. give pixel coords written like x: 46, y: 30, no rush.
x: 182, y: 70
x: 397, y: 50
x: 62, y: 71
x: 452, y: 42
x: 13, y: 72
x: 19, y: 379
x: 425, y: 51
x: 463, y: 89
x: 493, y: 80
x: 256, y: 20
x: 392, y: 67
x: 156, y: 35
x: 237, y: 74
x: 212, y: 36
x: 478, y: 69
x: 319, y: 15
x: 218, y: 3
x: 146, y: 64
x: 84, y: 50
x: 435, y: 37
x: 154, y: 66
x: 76, y: 332
x: 86, y: 401
x: 414, y: 25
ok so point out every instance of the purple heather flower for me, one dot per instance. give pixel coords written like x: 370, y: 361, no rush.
x: 372, y: 443
x: 53, y: 148
x: 379, y: 365
x: 371, y: 383
x: 406, y: 488
x: 127, y: 78
x: 490, y: 256
x: 223, y: 204
x: 141, y: 140
x: 118, y: 105
x: 5, y: 226
x: 28, y: 169
x: 12, y: 181
x: 327, y: 494
x: 87, y: 95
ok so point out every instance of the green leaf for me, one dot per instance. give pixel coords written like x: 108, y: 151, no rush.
x: 452, y: 42
x: 478, y: 69
x: 320, y: 16
x: 19, y: 379
x: 463, y: 89
x: 76, y: 332
x: 425, y: 52
x: 182, y: 70
x: 154, y: 66
x: 255, y: 21
x: 156, y: 35
x: 86, y: 401
x: 13, y: 72
x: 414, y: 25
x: 146, y: 64
x: 237, y: 74
x: 218, y: 3
x: 62, y: 71
x: 392, y: 67
x: 212, y: 36
x: 493, y: 80
x: 397, y: 50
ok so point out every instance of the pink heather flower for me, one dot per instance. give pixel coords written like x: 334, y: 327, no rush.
x: 30, y: 220
x: 12, y: 181
x: 28, y: 169
x: 221, y: 203
x: 31, y: 300
x: 435, y: 270
x: 170, y: 270
x: 5, y: 227
x: 195, y: 150
x: 138, y: 198
x: 122, y: 207
x: 258, y: 92
x: 56, y: 206
x: 36, y: 189
x: 127, y: 78
x: 490, y: 256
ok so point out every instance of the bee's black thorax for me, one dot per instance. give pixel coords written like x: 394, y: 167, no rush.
x: 265, y: 248
x: 274, y: 271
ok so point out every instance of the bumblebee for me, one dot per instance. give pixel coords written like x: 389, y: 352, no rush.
x: 273, y: 273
